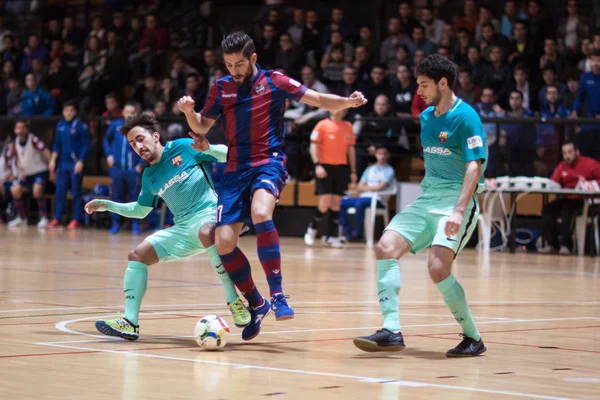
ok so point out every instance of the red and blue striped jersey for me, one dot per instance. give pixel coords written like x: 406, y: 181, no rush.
x: 253, y: 116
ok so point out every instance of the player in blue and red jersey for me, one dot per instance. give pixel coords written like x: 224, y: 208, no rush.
x: 252, y: 101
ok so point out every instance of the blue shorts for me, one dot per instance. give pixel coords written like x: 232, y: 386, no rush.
x: 237, y: 188
x: 30, y: 180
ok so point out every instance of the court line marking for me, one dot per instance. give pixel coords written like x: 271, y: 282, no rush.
x: 62, y: 326
x: 430, y: 302
x: 363, y: 379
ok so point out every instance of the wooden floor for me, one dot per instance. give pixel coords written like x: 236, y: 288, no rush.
x: 539, y: 317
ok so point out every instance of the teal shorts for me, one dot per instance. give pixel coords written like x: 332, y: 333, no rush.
x: 422, y: 223
x: 181, y: 240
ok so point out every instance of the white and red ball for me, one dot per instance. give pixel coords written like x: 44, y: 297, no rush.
x: 211, y: 332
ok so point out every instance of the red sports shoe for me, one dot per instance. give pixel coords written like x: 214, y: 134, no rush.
x: 54, y: 224
x: 73, y: 225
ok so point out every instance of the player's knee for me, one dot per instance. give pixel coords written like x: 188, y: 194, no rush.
x: 136, y: 255
x: 207, y: 235
x: 38, y: 191
x: 260, y: 214
x: 438, y: 271
x: 16, y: 191
x: 384, y: 250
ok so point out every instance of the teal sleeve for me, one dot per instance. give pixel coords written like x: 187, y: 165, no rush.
x: 216, y: 152
x: 129, y: 210
x: 473, y: 139
x: 146, y: 198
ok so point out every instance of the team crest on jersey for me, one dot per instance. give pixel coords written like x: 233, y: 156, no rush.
x: 177, y: 161
x: 443, y: 137
x: 259, y: 89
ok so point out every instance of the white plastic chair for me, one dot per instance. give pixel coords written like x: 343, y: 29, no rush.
x: 581, y: 223
x: 372, y: 212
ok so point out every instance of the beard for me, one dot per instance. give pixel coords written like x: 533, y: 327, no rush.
x: 437, y: 98
x: 246, y: 80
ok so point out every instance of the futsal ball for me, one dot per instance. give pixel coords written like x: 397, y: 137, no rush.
x: 211, y: 332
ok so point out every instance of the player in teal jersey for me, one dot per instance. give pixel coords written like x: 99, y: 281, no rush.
x: 178, y: 175
x: 443, y: 217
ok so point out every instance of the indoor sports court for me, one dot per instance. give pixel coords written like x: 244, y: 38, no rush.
x: 537, y: 314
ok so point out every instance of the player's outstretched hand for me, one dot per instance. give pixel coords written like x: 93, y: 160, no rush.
x: 200, y: 142
x: 453, y: 224
x: 95, y: 205
x: 357, y: 99
x: 186, y: 104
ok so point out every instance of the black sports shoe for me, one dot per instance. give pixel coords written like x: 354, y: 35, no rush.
x: 382, y: 340
x: 469, y: 347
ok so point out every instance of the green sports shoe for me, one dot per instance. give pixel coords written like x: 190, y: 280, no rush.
x: 120, y: 327
x: 241, y: 315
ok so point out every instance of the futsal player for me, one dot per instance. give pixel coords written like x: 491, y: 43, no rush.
x: 32, y: 160
x: 443, y: 217
x: 179, y: 175
x: 252, y: 101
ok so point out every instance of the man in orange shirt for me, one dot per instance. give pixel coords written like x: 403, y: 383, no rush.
x: 331, y: 150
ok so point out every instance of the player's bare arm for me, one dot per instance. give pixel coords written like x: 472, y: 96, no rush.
x: 200, y: 124
x: 352, y: 164
x: 456, y: 220
x: 332, y: 102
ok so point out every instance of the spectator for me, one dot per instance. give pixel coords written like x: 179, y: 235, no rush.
x: 549, y: 77
x: 289, y: 57
x: 490, y: 38
x: 402, y: 91
x: 211, y: 63
x: 585, y: 64
x: 378, y: 84
x: 181, y: 70
x: 573, y: 28
x: 10, y: 52
x: 338, y: 22
x: 97, y: 29
x: 540, y: 26
x: 461, y: 49
x: 465, y: 89
x: 486, y: 18
x: 496, y: 74
x: 71, y: 146
x: 60, y: 84
x: 476, y: 65
x: 70, y: 33
x: 195, y: 89
x: 521, y: 138
x: 32, y: 51
x: 36, y: 101
x: 297, y: 28
x: 362, y: 62
x: 572, y: 78
x: 548, y: 135
x: 116, y: 69
x: 511, y: 15
x: 267, y: 47
x: 95, y: 56
x: 573, y: 170
x: 589, y: 89
x: 337, y: 40
x: 420, y: 42
x: 303, y: 113
x: 407, y: 19
x: 366, y: 39
x: 522, y: 84
x: 469, y: 18
x: 521, y: 49
x: 433, y: 26
x: 487, y: 108
x: 169, y: 93
x: 125, y: 167
x: 551, y: 59
x: 112, y: 106
x: 376, y: 178
x: 334, y: 70
x: 394, y: 39
x: 311, y: 40
x: 14, y: 97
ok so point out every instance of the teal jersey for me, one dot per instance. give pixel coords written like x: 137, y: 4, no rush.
x: 181, y: 179
x: 449, y: 142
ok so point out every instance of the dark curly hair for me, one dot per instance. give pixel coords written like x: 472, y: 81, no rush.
x: 238, y: 42
x: 145, y: 120
x: 437, y: 67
